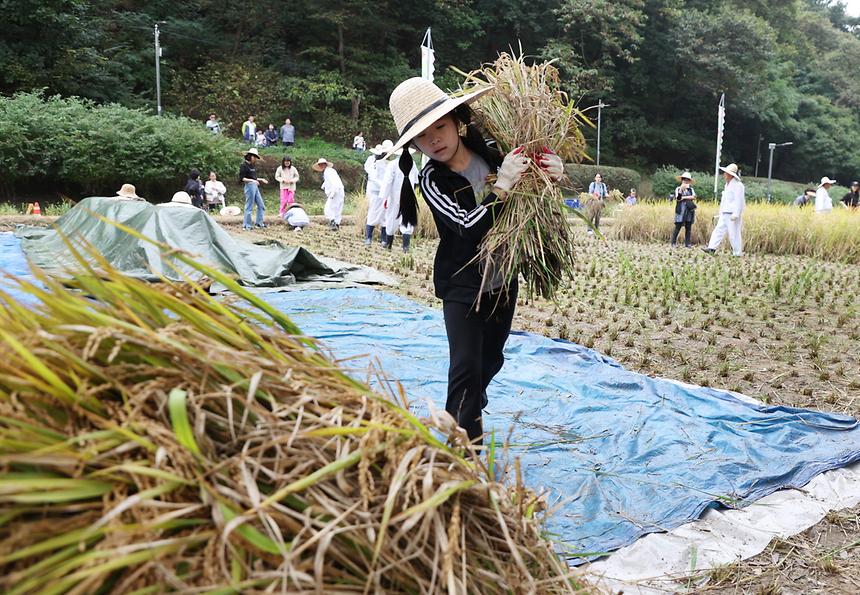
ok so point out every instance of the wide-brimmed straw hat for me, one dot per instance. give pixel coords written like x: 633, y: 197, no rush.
x: 416, y: 103
x: 321, y: 164
x: 253, y: 151
x: 732, y: 170
x: 127, y: 191
x: 182, y: 198
x: 686, y: 176
x: 826, y: 180
x: 231, y: 211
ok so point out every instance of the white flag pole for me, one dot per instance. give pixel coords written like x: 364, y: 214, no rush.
x: 428, y: 58
x: 721, y: 120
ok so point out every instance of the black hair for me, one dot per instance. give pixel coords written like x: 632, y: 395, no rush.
x: 194, y: 174
x: 286, y: 158
x: 474, y: 140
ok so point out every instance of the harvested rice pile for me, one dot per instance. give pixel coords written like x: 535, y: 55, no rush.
x: 154, y: 438
x: 527, y: 108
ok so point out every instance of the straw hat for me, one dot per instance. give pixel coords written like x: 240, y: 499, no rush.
x: 127, y: 191
x: 732, y: 170
x: 321, y: 164
x: 231, y: 211
x: 826, y: 180
x: 181, y: 197
x: 686, y: 176
x: 416, y: 103
x: 253, y: 151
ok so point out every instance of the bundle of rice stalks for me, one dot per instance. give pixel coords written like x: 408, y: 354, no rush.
x: 527, y: 108
x: 155, y: 438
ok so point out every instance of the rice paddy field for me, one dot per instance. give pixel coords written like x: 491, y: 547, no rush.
x: 783, y: 329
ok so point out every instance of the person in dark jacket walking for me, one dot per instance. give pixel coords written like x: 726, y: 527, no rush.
x: 852, y: 197
x: 685, y: 209
x: 464, y: 206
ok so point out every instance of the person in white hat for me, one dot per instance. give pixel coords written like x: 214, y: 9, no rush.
x: 685, y: 209
x: 455, y: 185
x: 333, y: 188
x: 128, y: 192
x: 823, y: 202
x: 296, y: 217
x: 732, y: 206
x: 248, y: 177
x: 181, y: 199
x: 375, y: 168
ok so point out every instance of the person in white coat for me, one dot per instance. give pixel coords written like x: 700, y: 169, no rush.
x: 375, y: 169
x: 333, y: 188
x: 390, y: 192
x: 823, y: 202
x: 732, y: 206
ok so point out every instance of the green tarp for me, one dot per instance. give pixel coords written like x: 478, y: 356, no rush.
x: 183, y: 227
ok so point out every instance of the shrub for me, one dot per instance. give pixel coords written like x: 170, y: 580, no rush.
x: 772, y: 229
x: 615, y: 177
x: 75, y: 146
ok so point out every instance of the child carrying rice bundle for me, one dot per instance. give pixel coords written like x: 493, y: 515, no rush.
x: 527, y: 109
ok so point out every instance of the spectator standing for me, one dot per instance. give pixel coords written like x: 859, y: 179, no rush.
x: 287, y: 176
x: 215, y: 191
x: 390, y: 190
x: 732, y: 206
x: 248, y: 177
x: 597, y: 202
x: 288, y: 133
x: 195, y: 189
x: 249, y: 130
x: 852, y: 198
x: 358, y: 143
x: 212, y: 124
x: 804, y: 199
x: 333, y: 188
x: 685, y: 209
x: 631, y: 198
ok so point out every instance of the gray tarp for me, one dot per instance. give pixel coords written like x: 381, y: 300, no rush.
x: 183, y: 227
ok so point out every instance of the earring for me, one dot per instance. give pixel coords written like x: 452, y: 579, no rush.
x: 461, y: 129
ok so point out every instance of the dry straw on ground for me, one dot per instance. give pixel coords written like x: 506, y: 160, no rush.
x: 528, y: 109
x: 769, y: 229
x: 155, y: 437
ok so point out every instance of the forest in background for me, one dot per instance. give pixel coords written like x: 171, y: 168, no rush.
x: 789, y: 68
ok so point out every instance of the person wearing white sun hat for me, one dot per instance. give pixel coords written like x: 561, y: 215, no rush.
x: 823, y: 202
x: 685, y: 209
x: 333, y: 188
x: 732, y: 206
x: 454, y: 184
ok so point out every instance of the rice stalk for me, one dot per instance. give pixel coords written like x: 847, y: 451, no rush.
x: 151, y: 434
x: 527, y: 108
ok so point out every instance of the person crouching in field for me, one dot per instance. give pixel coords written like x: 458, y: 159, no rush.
x: 296, y: 217
x: 685, y: 209
x: 732, y: 206
x: 287, y: 176
x: 333, y: 188
x: 464, y: 205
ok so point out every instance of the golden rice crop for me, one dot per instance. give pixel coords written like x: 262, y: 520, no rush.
x: 154, y: 438
x: 528, y: 109
x: 767, y: 228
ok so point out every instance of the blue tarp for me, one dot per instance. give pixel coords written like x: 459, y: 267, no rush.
x: 621, y: 454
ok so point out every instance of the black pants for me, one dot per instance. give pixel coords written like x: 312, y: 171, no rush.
x: 688, y: 226
x: 475, y: 344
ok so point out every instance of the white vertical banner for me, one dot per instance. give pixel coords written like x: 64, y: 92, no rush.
x: 427, y: 57
x: 721, y: 121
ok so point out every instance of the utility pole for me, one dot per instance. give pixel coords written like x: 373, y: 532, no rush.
x: 771, y: 147
x: 600, y: 106
x: 758, y: 154
x: 158, y: 68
